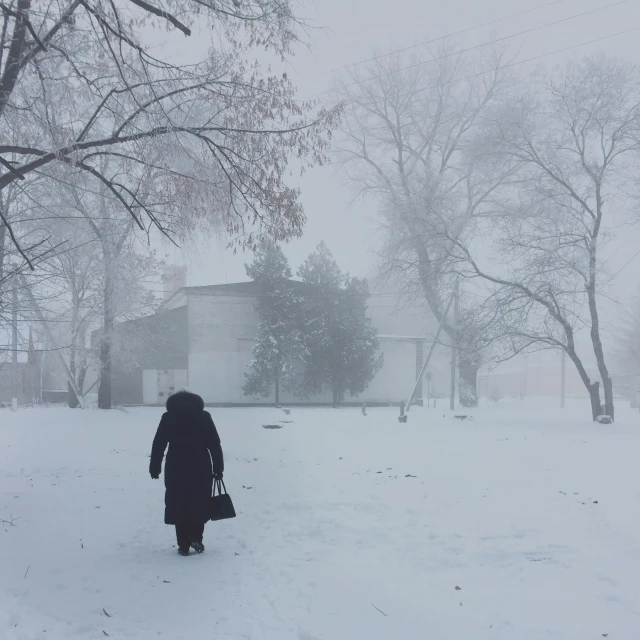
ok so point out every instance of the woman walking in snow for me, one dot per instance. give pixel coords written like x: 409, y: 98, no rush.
x: 193, y: 461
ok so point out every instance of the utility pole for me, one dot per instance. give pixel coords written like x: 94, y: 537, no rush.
x: 563, y: 379
x: 14, y: 344
x: 418, y: 399
x: 454, y: 345
x: 428, y: 358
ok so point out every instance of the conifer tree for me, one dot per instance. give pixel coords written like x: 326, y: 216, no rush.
x: 339, y: 347
x: 277, y: 306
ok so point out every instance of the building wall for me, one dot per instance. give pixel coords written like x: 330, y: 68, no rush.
x: 390, y: 315
x: 245, y: 354
x: 534, y: 377
x: 218, y: 355
x: 395, y: 381
x: 153, y: 344
x: 221, y: 330
x: 159, y: 384
x: 126, y: 386
x: 216, y: 330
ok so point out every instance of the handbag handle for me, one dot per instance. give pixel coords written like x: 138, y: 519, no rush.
x: 219, y: 485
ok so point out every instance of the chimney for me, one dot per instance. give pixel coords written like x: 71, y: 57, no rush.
x: 173, y: 279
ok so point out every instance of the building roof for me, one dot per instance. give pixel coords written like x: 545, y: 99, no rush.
x: 249, y: 289
x: 400, y: 338
x: 161, y: 314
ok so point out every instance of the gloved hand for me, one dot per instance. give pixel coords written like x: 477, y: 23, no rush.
x: 217, y: 476
x: 154, y: 477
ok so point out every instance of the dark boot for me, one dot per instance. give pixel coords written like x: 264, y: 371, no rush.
x: 197, y: 546
x: 196, y: 532
x: 183, y: 537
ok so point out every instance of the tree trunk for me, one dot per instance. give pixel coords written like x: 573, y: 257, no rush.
x: 592, y: 387
x: 594, y: 394
x: 3, y: 235
x: 417, y: 394
x: 277, y: 391
x: 336, y: 398
x: 609, y: 408
x: 82, y: 375
x: 599, y: 353
x: 468, y: 360
x: 593, y: 311
x: 74, y: 403
x: 104, y: 390
x: 81, y: 356
x: 468, y: 383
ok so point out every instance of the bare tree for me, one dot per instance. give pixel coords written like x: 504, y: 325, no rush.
x: 78, y: 83
x: 410, y: 139
x: 67, y: 286
x: 119, y: 269
x: 576, y: 139
x: 27, y: 232
x: 97, y: 273
x: 77, y: 271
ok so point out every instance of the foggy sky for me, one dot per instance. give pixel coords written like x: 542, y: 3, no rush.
x: 355, y: 30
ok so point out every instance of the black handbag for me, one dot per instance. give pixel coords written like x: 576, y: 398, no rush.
x: 221, y: 506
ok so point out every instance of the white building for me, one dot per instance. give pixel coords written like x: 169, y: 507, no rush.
x: 203, y: 337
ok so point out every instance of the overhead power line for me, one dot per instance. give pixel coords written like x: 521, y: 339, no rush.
x: 620, y: 270
x: 533, y: 59
x: 440, y: 38
x: 488, y: 43
x: 541, y: 56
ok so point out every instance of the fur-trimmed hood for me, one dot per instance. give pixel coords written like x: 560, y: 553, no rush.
x: 184, y: 402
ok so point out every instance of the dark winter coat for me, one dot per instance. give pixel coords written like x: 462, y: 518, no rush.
x: 194, y: 456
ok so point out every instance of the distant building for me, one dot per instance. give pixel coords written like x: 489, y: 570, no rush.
x: 19, y: 382
x: 35, y: 378
x: 202, y: 338
x: 533, y: 375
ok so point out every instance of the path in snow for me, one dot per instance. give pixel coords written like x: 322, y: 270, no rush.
x: 336, y: 539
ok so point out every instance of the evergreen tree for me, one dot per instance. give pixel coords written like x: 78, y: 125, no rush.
x: 277, y: 308
x: 338, y: 344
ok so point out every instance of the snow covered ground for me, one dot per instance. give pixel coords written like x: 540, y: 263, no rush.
x: 522, y: 524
